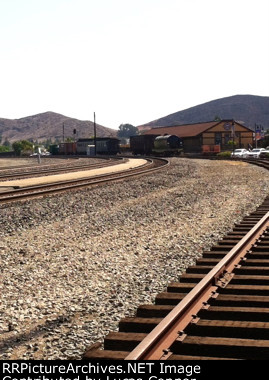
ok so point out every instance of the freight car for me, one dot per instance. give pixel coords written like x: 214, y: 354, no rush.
x: 54, y: 149
x: 104, y: 145
x: 107, y: 145
x: 142, y: 144
x: 167, y: 145
x: 68, y: 148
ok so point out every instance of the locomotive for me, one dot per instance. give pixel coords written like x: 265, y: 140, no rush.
x: 167, y: 145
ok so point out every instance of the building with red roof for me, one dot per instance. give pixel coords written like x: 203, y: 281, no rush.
x: 209, y: 136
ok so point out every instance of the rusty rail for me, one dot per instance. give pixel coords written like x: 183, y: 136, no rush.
x: 54, y: 169
x: 156, y: 344
x: 27, y: 192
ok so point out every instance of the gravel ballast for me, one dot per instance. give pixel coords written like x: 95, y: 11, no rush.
x: 74, y: 264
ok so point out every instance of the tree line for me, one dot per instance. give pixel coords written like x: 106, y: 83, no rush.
x: 22, y: 147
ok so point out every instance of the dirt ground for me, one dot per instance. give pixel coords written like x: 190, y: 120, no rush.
x: 28, y: 161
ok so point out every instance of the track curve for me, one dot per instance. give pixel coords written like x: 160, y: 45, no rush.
x: 13, y: 191
x: 218, y: 310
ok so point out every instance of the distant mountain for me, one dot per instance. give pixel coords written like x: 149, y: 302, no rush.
x: 49, y: 125
x: 246, y: 109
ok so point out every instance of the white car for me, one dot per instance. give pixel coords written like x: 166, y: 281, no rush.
x: 255, y: 153
x: 240, y: 153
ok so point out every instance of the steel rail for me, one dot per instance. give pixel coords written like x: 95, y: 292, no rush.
x: 47, y: 171
x: 41, y: 190
x: 27, y: 166
x: 156, y: 344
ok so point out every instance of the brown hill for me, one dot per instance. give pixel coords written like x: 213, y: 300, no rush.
x: 246, y: 109
x: 49, y: 125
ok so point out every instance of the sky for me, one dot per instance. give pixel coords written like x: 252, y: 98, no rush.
x: 129, y: 61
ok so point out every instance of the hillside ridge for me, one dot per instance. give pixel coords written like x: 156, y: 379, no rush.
x: 246, y: 109
x: 49, y: 125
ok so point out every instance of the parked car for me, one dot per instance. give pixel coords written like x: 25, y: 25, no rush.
x: 240, y: 153
x: 255, y: 153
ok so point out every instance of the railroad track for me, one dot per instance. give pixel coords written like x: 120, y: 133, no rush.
x: 29, y: 192
x: 26, y: 172
x: 260, y: 162
x: 219, y: 309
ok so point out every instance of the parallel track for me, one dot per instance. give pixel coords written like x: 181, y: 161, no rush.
x: 262, y: 162
x: 35, y: 171
x: 218, y: 310
x: 26, y: 193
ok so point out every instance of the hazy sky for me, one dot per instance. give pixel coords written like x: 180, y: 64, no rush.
x: 130, y: 61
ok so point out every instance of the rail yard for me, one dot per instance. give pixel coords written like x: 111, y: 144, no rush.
x: 76, y: 263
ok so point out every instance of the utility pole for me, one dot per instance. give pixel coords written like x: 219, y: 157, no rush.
x: 63, y: 132
x: 257, y: 132
x: 233, y: 131
x: 94, y: 126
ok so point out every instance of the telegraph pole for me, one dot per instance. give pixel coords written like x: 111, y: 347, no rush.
x: 233, y: 131
x: 63, y: 132
x: 94, y: 126
x: 256, y: 131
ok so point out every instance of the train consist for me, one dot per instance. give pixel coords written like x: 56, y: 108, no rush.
x: 167, y: 145
x: 157, y: 145
x: 104, y: 146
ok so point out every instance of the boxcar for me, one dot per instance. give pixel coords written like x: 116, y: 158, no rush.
x: 68, y: 148
x: 142, y: 144
x: 54, y: 149
x: 107, y: 145
x: 104, y: 145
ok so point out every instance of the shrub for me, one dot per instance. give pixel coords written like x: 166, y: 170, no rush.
x: 224, y: 154
x: 4, y: 148
x: 265, y: 155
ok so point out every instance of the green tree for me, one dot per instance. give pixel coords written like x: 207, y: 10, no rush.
x: 22, y: 146
x: 7, y: 143
x: 4, y: 148
x: 58, y: 140
x: 47, y: 143
x: 127, y: 130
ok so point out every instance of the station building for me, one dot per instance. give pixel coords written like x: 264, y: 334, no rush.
x: 212, y: 136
